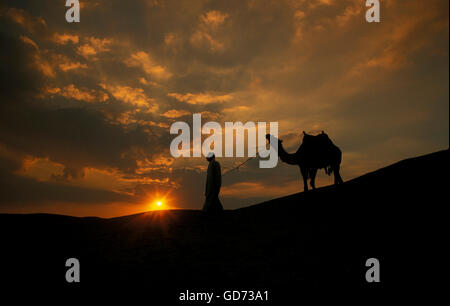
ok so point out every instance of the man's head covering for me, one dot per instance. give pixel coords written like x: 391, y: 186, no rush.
x: 210, y: 156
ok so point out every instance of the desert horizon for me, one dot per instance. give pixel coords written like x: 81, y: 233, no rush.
x: 164, y: 207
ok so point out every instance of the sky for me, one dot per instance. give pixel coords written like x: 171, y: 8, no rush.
x: 86, y: 107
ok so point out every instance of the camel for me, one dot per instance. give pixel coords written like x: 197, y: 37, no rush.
x: 315, y: 152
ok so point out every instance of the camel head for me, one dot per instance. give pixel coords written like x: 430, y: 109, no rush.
x: 268, y: 137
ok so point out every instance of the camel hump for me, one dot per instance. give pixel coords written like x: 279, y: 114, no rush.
x: 318, y: 149
x: 320, y: 139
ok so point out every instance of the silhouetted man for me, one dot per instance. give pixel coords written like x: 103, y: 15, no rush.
x: 213, y: 182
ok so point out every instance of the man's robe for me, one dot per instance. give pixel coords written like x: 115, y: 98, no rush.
x: 213, y: 184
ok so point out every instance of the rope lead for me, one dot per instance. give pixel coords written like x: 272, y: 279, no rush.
x: 238, y: 166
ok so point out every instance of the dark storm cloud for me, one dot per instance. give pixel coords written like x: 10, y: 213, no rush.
x: 63, y: 130
x: 31, y: 193
x: 18, y: 190
x: 17, y: 80
x: 73, y: 136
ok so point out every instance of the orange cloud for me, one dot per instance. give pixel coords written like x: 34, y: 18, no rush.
x: 41, y: 169
x: 129, y: 117
x: 29, y: 41
x: 175, y: 113
x: 93, y: 46
x: 114, y: 180
x: 205, y: 37
x: 63, y: 39
x: 63, y: 63
x: 132, y: 96
x: 351, y: 11
x: 71, y: 92
x: 210, y: 115
x: 27, y: 21
x: 201, y: 39
x: 173, y: 41
x: 46, y: 170
x: 240, y: 108
x: 71, y: 66
x: 214, y: 18
x: 160, y: 162
x: 146, y: 82
x: 39, y: 63
x: 142, y: 60
x: 201, y: 98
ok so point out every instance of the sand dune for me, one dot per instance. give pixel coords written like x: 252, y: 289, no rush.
x: 318, y: 240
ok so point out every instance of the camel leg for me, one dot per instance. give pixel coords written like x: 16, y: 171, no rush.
x: 313, y: 178
x: 304, y: 172
x: 337, y: 176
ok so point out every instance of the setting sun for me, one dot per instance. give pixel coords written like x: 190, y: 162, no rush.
x: 160, y: 201
x: 157, y: 205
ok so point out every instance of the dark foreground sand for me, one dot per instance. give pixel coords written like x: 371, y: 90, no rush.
x: 315, y: 242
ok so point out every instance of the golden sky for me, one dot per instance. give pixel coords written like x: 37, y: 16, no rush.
x: 86, y: 107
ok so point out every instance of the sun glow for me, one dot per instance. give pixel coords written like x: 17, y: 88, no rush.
x: 160, y: 201
x: 158, y: 204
